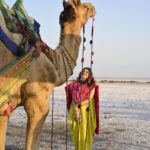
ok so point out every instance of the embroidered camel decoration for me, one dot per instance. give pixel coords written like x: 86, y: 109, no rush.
x: 43, y: 74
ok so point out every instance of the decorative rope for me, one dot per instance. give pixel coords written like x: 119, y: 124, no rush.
x: 52, y: 128
x: 83, y: 47
x: 66, y: 142
x: 66, y: 104
x: 91, y: 64
x: 92, y: 53
x: 91, y: 42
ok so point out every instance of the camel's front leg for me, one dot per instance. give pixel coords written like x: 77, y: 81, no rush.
x: 35, y: 122
x: 36, y: 104
x: 3, y: 128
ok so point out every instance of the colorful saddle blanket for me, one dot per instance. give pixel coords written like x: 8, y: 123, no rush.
x: 12, y: 77
x: 18, y: 21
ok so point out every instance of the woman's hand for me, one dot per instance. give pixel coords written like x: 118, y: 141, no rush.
x: 77, y: 115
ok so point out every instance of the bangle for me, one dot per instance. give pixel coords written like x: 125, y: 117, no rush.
x: 79, y: 106
x: 87, y: 109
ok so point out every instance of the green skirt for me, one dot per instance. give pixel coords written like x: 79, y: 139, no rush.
x: 82, y: 132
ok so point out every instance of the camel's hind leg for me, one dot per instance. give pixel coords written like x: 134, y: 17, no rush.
x: 3, y: 129
x: 36, y: 104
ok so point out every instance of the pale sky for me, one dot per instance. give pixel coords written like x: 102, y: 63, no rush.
x: 121, y: 37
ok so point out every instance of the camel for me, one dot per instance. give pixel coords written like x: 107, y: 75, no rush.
x: 43, y: 75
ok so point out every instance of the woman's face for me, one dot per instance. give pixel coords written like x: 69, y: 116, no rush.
x: 85, y: 74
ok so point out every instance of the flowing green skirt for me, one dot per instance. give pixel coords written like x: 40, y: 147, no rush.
x: 82, y: 132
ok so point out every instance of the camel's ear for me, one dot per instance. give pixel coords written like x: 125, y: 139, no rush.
x: 76, y: 2
x: 69, y: 12
x: 73, y: 3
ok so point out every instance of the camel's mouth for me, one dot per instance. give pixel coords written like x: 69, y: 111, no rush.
x: 91, y: 9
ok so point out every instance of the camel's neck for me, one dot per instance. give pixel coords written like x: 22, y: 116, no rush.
x: 68, y: 50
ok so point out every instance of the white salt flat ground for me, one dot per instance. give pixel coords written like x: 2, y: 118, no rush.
x: 125, y: 120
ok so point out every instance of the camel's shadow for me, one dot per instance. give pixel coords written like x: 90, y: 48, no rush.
x: 11, y: 147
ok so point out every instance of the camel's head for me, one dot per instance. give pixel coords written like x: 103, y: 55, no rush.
x: 75, y: 11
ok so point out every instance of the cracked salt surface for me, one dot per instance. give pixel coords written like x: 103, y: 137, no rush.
x: 125, y: 120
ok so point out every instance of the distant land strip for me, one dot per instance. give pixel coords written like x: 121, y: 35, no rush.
x: 117, y: 81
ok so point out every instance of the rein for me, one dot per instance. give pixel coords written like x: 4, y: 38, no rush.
x: 91, y: 43
x: 91, y: 64
x: 92, y: 53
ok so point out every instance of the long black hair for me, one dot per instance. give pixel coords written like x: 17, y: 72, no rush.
x: 90, y: 79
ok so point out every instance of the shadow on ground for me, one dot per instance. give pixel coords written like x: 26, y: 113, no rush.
x: 11, y: 147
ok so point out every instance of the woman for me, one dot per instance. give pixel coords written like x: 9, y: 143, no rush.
x: 83, y: 109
